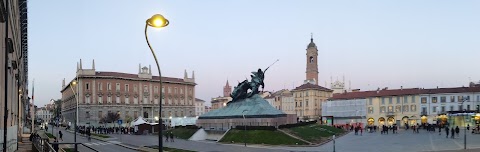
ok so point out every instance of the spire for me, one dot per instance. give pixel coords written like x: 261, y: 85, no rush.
x: 139, y: 68
x: 93, y: 64
x: 311, y: 37
x: 78, y: 67
x: 80, y: 63
x: 185, y: 74
x: 227, y: 83
x: 150, y: 69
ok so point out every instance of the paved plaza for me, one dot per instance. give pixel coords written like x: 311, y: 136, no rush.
x: 404, y: 141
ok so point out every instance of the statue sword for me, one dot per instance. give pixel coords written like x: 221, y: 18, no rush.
x: 267, y: 69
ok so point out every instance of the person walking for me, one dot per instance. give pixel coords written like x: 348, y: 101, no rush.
x: 457, y: 131
x: 89, y: 134
x: 468, y: 126
x: 60, y: 134
x: 447, y: 130
x: 171, y: 137
x: 361, y: 131
x: 166, y: 137
x: 453, y: 133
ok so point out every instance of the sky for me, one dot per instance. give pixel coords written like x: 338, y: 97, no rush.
x: 372, y: 43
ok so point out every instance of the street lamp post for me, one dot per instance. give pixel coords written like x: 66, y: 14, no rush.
x: 157, y: 21
x: 54, y: 108
x: 245, y: 128
x: 74, y: 83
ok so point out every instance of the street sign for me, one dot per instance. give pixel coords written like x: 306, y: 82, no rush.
x: 120, y: 122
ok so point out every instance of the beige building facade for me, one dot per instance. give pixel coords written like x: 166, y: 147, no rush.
x: 130, y: 95
x: 14, y: 100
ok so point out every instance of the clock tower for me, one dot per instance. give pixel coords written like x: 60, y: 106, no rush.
x: 312, y: 64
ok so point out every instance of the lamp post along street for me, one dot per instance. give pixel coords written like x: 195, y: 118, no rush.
x: 157, y: 21
x: 74, y: 83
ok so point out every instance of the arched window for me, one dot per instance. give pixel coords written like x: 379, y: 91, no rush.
x: 311, y: 59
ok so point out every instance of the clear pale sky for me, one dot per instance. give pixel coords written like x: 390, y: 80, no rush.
x: 374, y: 44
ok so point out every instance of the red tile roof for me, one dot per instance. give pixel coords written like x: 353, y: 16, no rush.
x: 134, y: 76
x: 311, y: 86
x: 400, y: 92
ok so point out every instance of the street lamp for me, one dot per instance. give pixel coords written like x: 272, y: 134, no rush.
x: 157, y: 21
x: 245, y: 128
x: 53, y: 111
x: 74, y: 83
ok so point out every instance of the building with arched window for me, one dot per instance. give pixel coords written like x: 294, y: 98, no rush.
x: 129, y: 95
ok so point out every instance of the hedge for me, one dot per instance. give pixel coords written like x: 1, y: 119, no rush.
x: 297, y: 124
x: 272, y: 128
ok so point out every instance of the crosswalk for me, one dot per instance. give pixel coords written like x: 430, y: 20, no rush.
x: 101, y: 143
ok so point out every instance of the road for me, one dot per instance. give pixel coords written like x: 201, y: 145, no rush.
x: 95, y: 144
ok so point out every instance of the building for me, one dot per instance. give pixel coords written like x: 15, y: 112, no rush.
x: 271, y: 100
x: 43, y: 113
x: 207, y: 109
x: 449, y: 105
x: 14, y: 85
x: 287, y: 102
x: 199, y: 107
x: 309, y: 96
x: 220, y: 102
x: 338, y: 111
x: 130, y: 95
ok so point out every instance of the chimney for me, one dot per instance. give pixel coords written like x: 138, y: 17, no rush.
x: 401, y: 87
x: 93, y: 64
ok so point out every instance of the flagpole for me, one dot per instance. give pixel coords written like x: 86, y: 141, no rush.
x: 33, y: 106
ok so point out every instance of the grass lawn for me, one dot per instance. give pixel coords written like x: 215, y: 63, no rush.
x: 50, y: 135
x: 171, y: 149
x: 69, y: 149
x: 182, y: 133
x: 315, y: 133
x: 260, y: 137
x: 100, y: 135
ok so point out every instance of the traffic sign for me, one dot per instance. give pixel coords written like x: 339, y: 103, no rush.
x: 119, y: 122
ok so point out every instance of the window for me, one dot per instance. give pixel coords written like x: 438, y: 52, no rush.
x: 87, y: 86
x: 405, y: 99
x: 109, y: 99
x: 181, y: 91
x: 145, y: 88
x: 443, y: 109
x: 306, y: 102
x: 100, y: 86
x: 117, y: 87
x: 155, y: 89
x: 398, y: 100
x: 135, y: 89
x: 424, y: 110
x: 390, y: 100
x: 390, y: 108
x: 370, y: 101
x: 100, y: 99
x: 169, y: 90
x: 117, y: 100
x: 306, y: 93
x: 413, y: 99
x: 413, y: 108
x: 443, y: 99
x: 126, y: 88
x: 405, y: 108
x: 468, y: 107
x: 460, y: 108
x: 370, y: 110
x: 382, y: 109
x: 424, y: 99
x: 383, y: 101
x: 434, y: 109
x: 109, y: 87
x: 434, y: 99
x: 452, y: 99
x: 460, y: 98
x: 398, y: 108
x: 127, y: 100
x: 451, y: 108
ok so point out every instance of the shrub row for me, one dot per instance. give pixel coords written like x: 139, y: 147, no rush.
x: 272, y: 128
x: 297, y: 124
x: 188, y: 127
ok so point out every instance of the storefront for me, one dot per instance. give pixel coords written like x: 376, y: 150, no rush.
x: 371, y: 121
x: 461, y: 119
x: 381, y: 121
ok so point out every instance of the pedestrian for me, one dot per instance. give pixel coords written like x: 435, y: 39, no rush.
x: 447, y: 130
x: 361, y: 131
x: 60, y: 134
x: 457, y: 131
x: 89, y: 135
x: 171, y: 137
x: 468, y: 126
x: 439, y: 131
x: 166, y: 137
x: 55, y: 144
x: 453, y: 133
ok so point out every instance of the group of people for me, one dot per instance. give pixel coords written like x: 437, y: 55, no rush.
x: 169, y: 135
x: 105, y: 130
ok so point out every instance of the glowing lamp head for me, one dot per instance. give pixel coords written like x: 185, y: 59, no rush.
x: 157, y: 21
x: 74, y: 82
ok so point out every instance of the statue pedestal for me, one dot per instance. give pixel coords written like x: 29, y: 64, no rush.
x: 257, y: 112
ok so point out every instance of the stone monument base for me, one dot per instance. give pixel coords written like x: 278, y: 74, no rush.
x: 253, y: 111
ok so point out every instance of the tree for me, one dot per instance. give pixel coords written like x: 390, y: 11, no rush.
x: 128, y: 119
x: 112, y: 117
